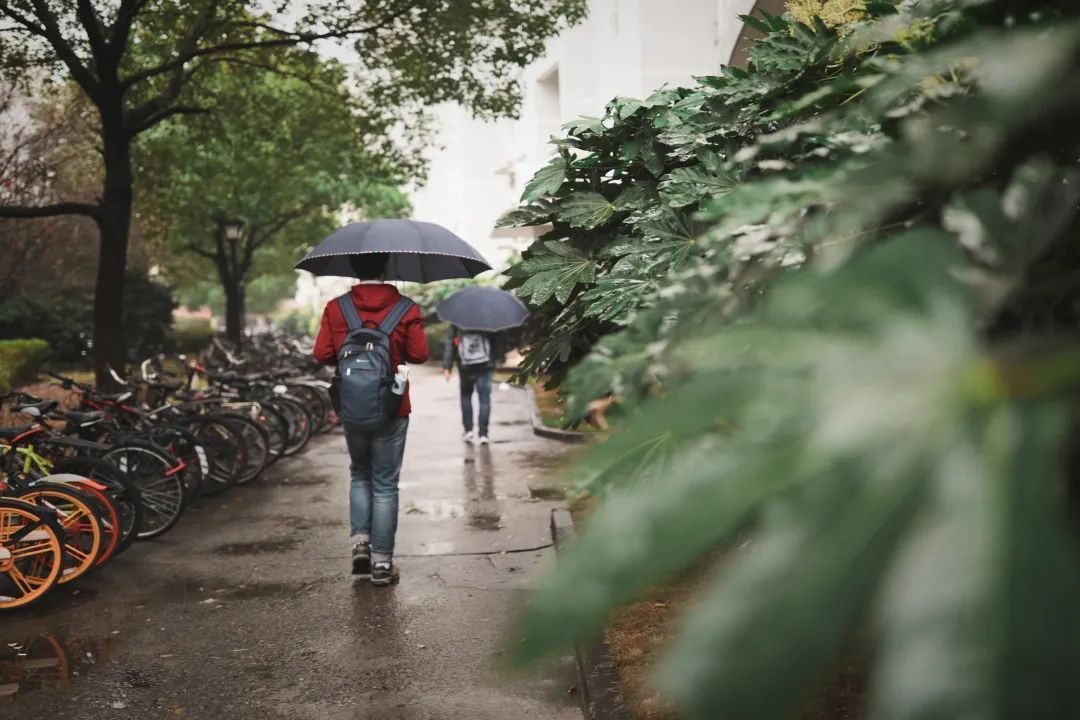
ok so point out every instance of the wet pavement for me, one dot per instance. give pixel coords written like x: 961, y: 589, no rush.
x: 247, y: 611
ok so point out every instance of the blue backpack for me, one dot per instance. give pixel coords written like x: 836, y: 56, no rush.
x: 365, y: 374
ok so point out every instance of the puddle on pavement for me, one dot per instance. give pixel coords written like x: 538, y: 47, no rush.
x: 482, y: 511
x: 62, y: 598
x: 297, y: 522
x: 258, y: 547
x: 46, y: 661
x: 545, y: 492
x: 218, y: 592
x: 435, y: 508
x: 295, y: 481
x: 537, y: 459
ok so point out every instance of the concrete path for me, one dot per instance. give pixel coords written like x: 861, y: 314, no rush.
x: 246, y: 610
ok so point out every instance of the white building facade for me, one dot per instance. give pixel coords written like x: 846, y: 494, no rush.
x: 623, y: 48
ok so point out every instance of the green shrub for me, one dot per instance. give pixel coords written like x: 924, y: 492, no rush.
x: 436, y: 336
x: 191, y: 335
x: 299, y: 321
x: 65, y: 319
x: 822, y: 289
x: 20, y: 361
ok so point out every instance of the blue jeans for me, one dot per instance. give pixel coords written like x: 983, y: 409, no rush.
x: 373, y: 494
x: 481, y: 381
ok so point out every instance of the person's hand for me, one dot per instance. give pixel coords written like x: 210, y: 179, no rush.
x: 447, y: 373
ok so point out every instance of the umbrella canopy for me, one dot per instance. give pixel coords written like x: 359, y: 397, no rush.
x: 419, y: 251
x: 484, y: 309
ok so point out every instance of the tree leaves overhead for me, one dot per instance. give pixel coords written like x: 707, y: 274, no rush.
x: 292, y: 153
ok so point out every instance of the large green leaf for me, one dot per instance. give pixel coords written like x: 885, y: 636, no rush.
x: 755, y: 641
x: 554, y: 274
x: 684, y: 186
x: 989, y: 585
x: 546, y: 181
x: 586, y: 210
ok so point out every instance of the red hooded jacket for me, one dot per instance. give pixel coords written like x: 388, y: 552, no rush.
x: 373, y: 301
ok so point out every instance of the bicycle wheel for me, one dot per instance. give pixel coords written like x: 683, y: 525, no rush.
x: 80, y: 521
x: 278, y: 429
x: 160, y: 480
x: 104, y: 507
x: 317, y: 403
x: 121, y: 490
x: 186, y: 446
x: 257, y: 440
x: 226, y: 448
x: 299, y: 420
x: 31, y: 553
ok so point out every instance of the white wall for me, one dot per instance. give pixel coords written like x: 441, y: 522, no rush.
x: 729, y: 26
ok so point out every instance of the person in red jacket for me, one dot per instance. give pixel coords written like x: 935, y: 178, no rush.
x: 375, y: 456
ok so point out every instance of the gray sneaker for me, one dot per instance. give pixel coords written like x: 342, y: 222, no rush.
x: 361, y: 559
x: 384, y: 573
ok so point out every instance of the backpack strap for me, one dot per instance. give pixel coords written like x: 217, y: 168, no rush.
x: 395, y: 315
x: 348, y: 311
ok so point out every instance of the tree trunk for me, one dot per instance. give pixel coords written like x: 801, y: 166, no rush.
x: 234, y: 311
x: 114, y: 224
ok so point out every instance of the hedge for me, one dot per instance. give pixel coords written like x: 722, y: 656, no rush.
x: 191, y: 336
x: 20, y: 361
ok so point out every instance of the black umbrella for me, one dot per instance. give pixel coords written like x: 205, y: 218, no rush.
x: 485, y: 309
x: 419, y: 251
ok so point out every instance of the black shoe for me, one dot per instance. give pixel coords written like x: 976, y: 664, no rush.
x: 384, y: 573
x: 361, y: 559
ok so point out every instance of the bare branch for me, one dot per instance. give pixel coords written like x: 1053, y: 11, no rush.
x: 192, y: 247
x: 21, y: 19
x: 51, y: 32
x: 40, y: 211
x: 286, y: 39
x: 121, y: 28
x: 165, y: 113
x: 92, y: 24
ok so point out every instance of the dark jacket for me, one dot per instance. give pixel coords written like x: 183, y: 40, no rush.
x: 373, y: 301
x: 451, y: 357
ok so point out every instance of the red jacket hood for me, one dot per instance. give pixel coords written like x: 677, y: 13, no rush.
x: 372, y: 297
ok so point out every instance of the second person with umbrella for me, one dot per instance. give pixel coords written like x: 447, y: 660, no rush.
x: 477, y: 315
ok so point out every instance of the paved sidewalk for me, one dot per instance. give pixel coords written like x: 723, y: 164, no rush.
x: 247, y: 612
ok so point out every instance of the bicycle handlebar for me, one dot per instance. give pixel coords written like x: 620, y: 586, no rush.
x: 69, y: 383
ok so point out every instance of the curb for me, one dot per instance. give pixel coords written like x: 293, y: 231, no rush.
x: 539, y: 428
x: 598, y: 678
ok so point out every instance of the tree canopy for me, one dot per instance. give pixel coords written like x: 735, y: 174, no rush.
x: 141, y: 62
x: 296, y: 147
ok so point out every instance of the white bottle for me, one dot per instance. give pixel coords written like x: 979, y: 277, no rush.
x: 401, y: 380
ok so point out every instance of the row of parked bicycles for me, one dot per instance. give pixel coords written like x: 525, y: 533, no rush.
x: 84, y: 476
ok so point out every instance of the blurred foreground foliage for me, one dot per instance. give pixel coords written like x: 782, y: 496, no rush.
x: 837, y: 296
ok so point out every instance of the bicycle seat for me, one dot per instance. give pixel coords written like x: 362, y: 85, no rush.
x: 36, y: 409
x: 167, y: 385
x: 10, y: 433
x: 83, y: 418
